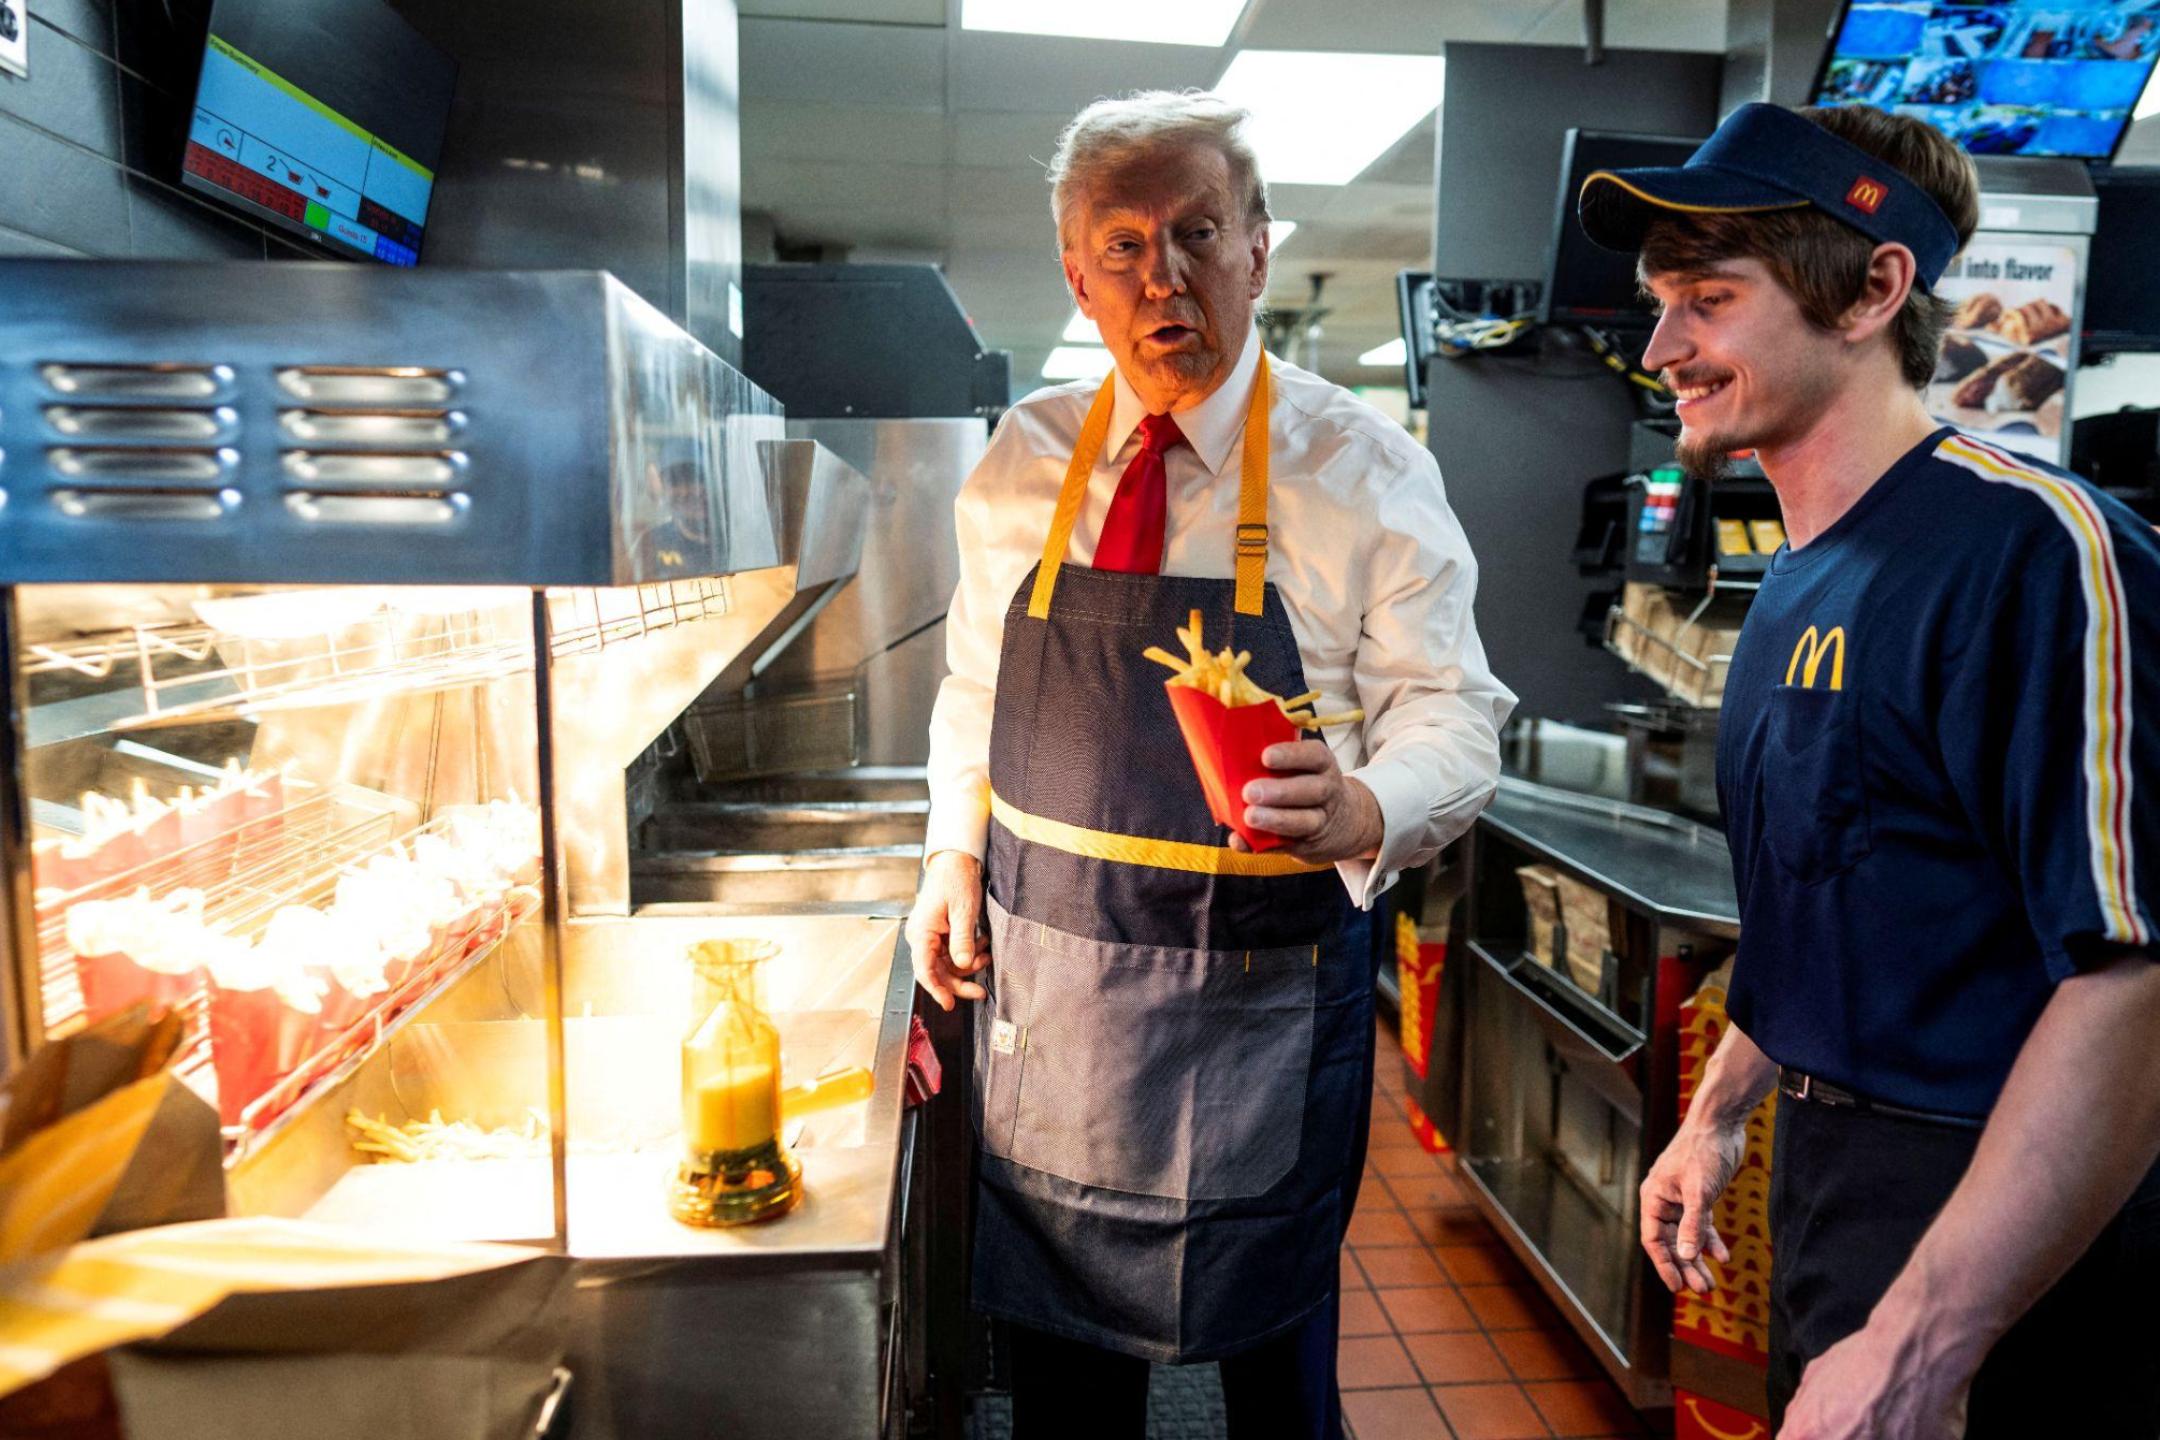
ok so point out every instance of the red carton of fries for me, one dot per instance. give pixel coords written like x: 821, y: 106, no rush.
x: 1226, y: 743
x: 1229, y: 722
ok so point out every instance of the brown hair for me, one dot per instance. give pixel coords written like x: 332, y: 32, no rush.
x: 1823, y: 262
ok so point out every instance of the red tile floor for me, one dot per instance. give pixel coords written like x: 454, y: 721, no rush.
x: 1444, y: 1337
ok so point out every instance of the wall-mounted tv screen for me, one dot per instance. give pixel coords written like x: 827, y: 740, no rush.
x: 323, y: 117
x: 2036, y: 77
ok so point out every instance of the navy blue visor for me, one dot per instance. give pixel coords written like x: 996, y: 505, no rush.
x: 1765, y: 157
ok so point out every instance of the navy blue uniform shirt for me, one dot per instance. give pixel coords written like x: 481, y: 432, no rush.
x: 1939, y: 762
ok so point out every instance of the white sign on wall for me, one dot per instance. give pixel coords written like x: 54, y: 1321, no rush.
x: 15, y: 37
x: 2005, y: 364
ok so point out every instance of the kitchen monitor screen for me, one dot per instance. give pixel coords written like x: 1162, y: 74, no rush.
x: 1586, y: 284
x: 2039, y: 77
x: 323, y: 117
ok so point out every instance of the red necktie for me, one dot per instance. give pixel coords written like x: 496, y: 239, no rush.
x: 1132, y: 536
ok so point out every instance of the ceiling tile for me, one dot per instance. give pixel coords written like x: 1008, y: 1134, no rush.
x: 1640, y: 25
x: 878, y: 66
x: 976, y: 189
x: 1410, y: 160
x: 777, y: 185
x: 1394, y: 27
x: 1043, y: 73
x: 1373, y: 203
x: 792, y: 130
x: 1007, y: 138
x: 887, y: 12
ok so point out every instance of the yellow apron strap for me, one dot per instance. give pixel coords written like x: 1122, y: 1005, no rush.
x: 1252, y: 526
x: 1084, y: 456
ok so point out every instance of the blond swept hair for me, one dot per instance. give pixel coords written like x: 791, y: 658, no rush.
x: 1112, y: 133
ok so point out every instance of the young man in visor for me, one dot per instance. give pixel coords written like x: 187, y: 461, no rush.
x: 1942, y: 712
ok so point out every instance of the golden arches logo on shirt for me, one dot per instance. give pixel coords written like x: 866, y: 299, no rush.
x: 1808, y: 656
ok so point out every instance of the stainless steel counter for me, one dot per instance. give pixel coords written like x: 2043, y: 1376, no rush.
x: 1674, y: 869
x: 1560, y: 1081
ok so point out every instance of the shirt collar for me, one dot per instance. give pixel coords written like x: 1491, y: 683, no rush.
x: 1212, y: 427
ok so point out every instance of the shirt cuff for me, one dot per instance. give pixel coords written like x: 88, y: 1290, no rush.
x: 1402, y: 829
x: 957, y: 824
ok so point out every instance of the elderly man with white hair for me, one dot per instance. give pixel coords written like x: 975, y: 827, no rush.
x: 1174, y: 1059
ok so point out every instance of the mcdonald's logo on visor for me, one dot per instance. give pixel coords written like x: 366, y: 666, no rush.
x: 1867, y: 194
x: 1809, y: 654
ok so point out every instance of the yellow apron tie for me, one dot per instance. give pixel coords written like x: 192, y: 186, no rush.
x: 1142, y: 850
x: 1252, y: 527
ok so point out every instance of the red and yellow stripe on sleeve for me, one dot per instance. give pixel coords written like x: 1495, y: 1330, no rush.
x: 2106, y: 760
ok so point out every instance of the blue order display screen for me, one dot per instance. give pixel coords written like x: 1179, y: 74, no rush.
x: 324, y: 117
x: 2056, y: 77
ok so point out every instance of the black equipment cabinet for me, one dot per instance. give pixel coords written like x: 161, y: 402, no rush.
x: 885, y: 342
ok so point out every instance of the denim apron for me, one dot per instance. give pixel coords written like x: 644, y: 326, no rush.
x: 1172, y: 1064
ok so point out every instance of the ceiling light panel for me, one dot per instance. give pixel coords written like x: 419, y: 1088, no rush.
x: 1077, y: 362
x: 1392, y: 353
x: 1319, y: 118
x: 1184, y: 22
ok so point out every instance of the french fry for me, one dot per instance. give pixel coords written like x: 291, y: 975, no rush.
x: 1221, y: 674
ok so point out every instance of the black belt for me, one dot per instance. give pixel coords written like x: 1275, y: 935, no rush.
x: 1801, y: 1086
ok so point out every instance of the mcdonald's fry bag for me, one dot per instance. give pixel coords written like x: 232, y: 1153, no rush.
x: 409, y: 1342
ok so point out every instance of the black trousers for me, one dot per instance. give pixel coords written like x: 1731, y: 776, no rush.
x: 1850, y: 1196
x: 1283, y: 1389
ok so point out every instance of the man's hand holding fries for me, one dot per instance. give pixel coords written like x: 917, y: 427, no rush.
x: 1322, y: 815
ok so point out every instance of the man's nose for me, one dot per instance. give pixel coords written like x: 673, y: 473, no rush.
x: 1165, y: 275
x: 1668, y: 344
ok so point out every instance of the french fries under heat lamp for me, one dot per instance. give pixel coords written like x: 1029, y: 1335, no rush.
x: 1229, y: 722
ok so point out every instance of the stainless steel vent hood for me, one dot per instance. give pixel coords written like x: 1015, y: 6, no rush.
x: 327, y: 423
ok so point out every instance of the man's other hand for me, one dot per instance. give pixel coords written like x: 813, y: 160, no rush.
x: 1676, y: 1198
x: 946, y: 932
x: 1882, y: 1382
x: 1322, y: 814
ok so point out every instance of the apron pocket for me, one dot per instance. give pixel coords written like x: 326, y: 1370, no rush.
x: 1144, y: 1069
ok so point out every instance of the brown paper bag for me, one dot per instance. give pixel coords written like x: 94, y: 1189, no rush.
x: 68, y: 1074
x: 465, y: 1357
x: 145, y: 1154
x: 347, y: 1397
x: 221, y: 1305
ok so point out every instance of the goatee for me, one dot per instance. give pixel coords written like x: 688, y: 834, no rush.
x: 1707, y: 459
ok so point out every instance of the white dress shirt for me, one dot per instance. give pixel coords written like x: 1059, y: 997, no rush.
x: 1370, y: 562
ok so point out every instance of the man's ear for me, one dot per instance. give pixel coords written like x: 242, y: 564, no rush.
x: 1262, y: 256
x: 1891, y: 274
x: 1076, y: 282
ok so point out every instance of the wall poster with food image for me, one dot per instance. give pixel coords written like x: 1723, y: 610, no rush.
x: 14, y: 38
x: 2005, y: 364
